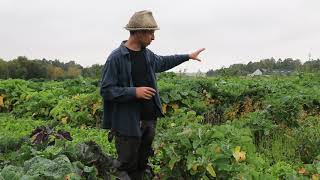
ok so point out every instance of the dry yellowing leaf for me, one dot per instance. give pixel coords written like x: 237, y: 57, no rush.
x: 217, y: 149
x: 172, y: 124
x: 315, y: 177
x: 64, y: 120
x: 195, y: 167
x: 302, y: 171
x: 239, y: 155
x: 175, y: 106
x: 94, y: 108
x: 161, y: 145
x: 69, y: 176
x: 164, y: 108
x: 77, y: 97
x: 211, y: 170
x: 1, y: 102
x: 83, y: 126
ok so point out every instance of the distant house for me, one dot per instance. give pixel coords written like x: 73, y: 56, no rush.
x: 257, y: 72
x: 200, y: 74
x: 282, y: 71
x: 194, y: 74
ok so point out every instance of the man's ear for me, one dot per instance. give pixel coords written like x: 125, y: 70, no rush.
x: 139, y: 34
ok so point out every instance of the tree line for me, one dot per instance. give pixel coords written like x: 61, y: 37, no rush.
x: 24, y: 68
x: 268, y: 66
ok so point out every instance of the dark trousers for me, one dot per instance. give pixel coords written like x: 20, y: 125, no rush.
x: 133, y: 152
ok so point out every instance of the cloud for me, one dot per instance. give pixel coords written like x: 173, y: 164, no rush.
x: 233, y: 31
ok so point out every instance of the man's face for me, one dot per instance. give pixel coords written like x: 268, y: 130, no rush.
x: 145, y: 37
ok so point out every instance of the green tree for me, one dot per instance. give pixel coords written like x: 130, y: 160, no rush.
x: 4, y: 73
x: 94, y: 71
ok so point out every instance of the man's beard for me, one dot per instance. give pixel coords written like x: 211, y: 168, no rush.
x: 143, y: 46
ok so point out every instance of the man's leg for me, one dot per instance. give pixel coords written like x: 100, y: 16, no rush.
x: 127, y: 149
x: 145, y: 150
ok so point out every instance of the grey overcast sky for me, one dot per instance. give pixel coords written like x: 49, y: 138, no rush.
x: 232, y: 31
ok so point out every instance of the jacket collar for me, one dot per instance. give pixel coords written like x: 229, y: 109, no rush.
x: 124, y: 50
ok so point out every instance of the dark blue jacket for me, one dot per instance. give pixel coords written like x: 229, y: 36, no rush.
x: 120, y: 106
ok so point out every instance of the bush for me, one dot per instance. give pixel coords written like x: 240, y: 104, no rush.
x: 308, y: 139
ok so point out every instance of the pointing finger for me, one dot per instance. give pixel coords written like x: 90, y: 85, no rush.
x: 200, y: 50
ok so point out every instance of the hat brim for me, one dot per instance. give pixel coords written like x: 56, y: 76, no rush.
x: 136, y: 29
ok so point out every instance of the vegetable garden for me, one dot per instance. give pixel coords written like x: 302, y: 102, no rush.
x: 215, y: 128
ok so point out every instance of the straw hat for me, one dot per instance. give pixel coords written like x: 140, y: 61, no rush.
x: 142, y: 20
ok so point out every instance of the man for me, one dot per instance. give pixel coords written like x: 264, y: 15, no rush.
x: 131, y: 98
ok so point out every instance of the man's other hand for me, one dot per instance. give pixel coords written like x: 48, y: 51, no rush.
x: 145, y: 92
x: 195, y: 54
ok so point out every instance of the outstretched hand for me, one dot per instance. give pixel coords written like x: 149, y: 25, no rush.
x: 195, y: 54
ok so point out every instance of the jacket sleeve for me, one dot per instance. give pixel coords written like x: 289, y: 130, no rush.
x: 164, y: 63
x: 109, y: 87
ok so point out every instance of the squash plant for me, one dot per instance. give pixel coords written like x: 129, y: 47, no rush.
x: 185, y: 148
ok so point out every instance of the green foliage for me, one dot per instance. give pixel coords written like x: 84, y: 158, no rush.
x: 14, y: 133
x: 24, y: 68
x: 188, y: 149
x: 282, y: 170
x: 223, y: 128
x: 46, y: 168
x: 90, y: 134
x: 53, y: 100
x: 16, y: 146
x: 307, y: 136
x: 183, y: 93
x: 35, y: 104
x: 71, y: 110
x: 94, y: 71
x: 42, y: 168
x: 285, y: 110
x: 11, y: 172
x: 280, y: 146
x: 268, y: 66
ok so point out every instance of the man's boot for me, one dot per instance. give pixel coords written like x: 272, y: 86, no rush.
x: 122, y: 175
x: 137, y: 175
